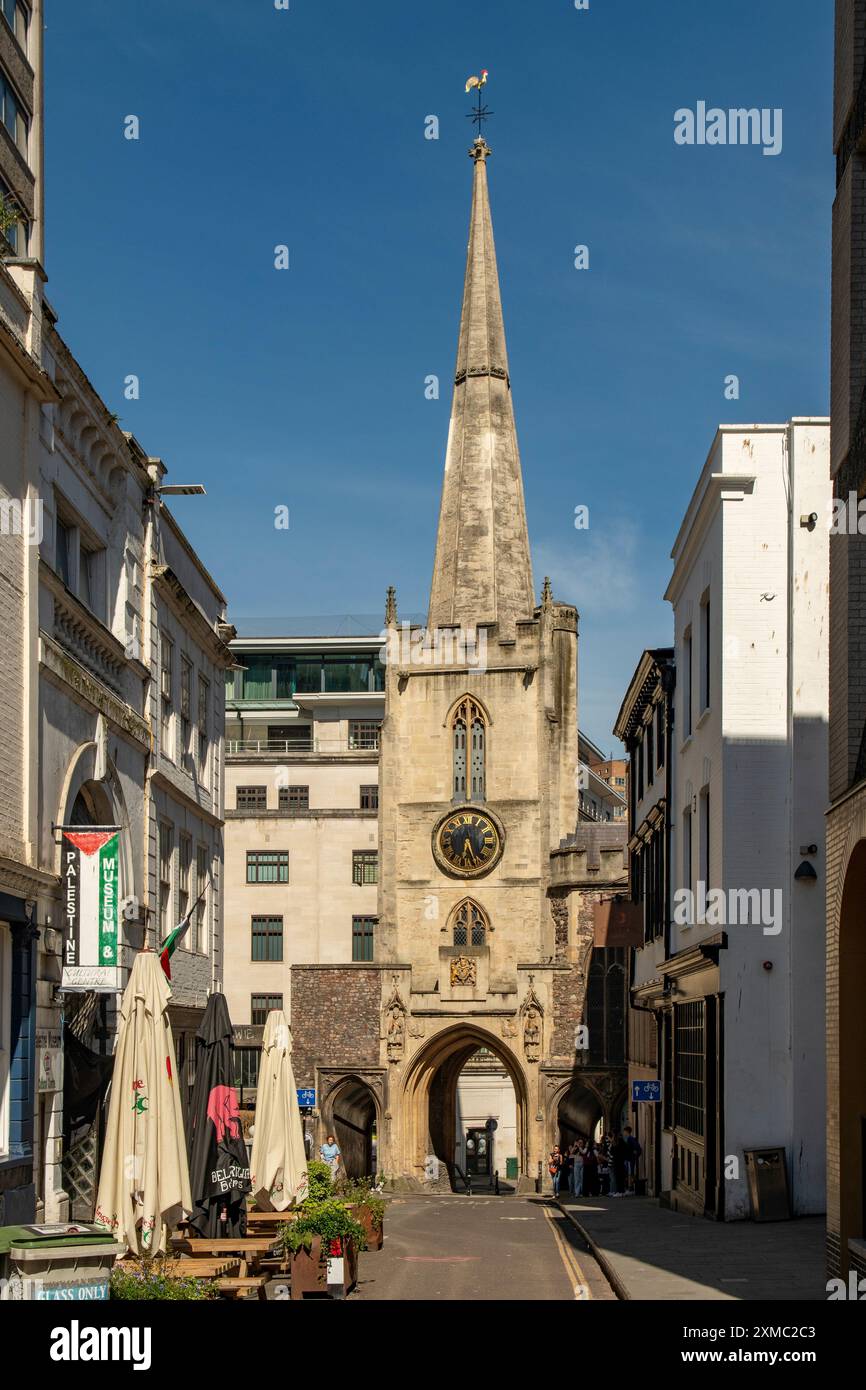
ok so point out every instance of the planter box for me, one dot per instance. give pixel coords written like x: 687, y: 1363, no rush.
x: 364, y: 1217
x: 309, y: 1271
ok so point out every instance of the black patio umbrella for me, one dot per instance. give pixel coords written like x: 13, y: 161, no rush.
x: 219, y: 1169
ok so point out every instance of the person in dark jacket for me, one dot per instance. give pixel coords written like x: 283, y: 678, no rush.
x: 618, y: 1166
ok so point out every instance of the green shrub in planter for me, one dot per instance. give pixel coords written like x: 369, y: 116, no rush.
x: 319, y: 1179
x: 357, y: 1192
x: 154, y: 1279
x: 329, y: 1219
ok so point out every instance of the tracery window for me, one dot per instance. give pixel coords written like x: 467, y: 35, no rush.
x: 470, y: 924
x: 468, y: 750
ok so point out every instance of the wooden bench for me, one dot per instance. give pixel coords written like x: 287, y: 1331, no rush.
x: 238, y: 1287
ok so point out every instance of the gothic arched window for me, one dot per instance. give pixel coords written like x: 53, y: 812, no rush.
x: 470, y: 924
x: 468, y: 732
x: 604, y: 1010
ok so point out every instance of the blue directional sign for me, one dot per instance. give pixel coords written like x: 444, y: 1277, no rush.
x: 646, y: 1091
x: 306, y: 1098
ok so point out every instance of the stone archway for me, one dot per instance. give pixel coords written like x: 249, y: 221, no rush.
x: 576, y: 1111
x: 851, y: 1051
x: 429, y: 1102
x: 350, y: 1112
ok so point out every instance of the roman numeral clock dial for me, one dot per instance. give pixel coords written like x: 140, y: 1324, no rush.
x: 467, y: 843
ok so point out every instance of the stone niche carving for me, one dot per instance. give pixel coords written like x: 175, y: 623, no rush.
x: 394, y: 1030
x: 532, y: 1021
x: 464, y: 970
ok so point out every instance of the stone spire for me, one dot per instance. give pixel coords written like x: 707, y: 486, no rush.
x: 482, y: 572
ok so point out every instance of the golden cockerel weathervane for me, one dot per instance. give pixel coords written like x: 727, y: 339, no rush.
x: 481, y: 113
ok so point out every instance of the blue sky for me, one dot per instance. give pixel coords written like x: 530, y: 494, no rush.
x: 305, y: 387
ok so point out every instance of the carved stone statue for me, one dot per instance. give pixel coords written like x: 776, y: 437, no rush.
x: 532, y: 1034
x: 396, y: 1034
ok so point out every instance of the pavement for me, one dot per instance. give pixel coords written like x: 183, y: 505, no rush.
x: 648, y: 1252
x: 479, y: 1248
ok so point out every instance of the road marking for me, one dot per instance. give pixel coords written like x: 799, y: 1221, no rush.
x: 439, y: 1259
x: 575, y: 1274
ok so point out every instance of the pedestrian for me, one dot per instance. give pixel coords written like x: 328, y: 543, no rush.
x: 330, y: 1154
x: 634, y: 1153
x: 590, y: 1170
x: 603, y: 1167
x: 565, y: 1175
x: 577, y: 1168
x: 619, y: 1154
x: 554, y: 1168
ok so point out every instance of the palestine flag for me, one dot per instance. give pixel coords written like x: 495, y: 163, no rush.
x: 91, y: 894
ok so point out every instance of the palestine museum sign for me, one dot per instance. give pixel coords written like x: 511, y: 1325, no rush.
x: 91, y: 893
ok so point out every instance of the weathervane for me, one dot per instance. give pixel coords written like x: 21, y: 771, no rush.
x: 481, y: 112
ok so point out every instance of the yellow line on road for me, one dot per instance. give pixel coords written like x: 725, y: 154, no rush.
x: 569, y: 1259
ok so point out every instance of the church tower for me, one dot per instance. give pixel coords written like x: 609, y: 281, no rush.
x: 478, y: 782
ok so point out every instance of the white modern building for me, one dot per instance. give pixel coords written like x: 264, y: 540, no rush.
x: 743, y: 1048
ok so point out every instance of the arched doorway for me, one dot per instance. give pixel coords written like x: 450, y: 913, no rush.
x: 430, y: 1111
x: 852, y: 1053
x: 350, y: 1115
x: 578, y: 1113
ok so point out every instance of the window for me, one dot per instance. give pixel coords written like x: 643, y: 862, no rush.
x: 650, y: 756
x: 252, y: 799
x: 203, y: 716
x: 5, y: 1032
x: 687, y: 692
x: 166, y: 686
x: 16, y: 229
x: 705, y: 652
x: 17, y: 16
x: 469, y: 925
x: 267, y: 934
x: 689, y: 1066
x: 245, y: 1061
x: 63, y: 552
x: 687, y: 851
x: 370, y: 798
x: 640, y: 763
x: 88, y: 577
x: 263, y: 1004
x: 605, y: 1005
x: 468, y: 740
x: 201, y: 885
x: 364, y: 733
x: 705, y: 839
x: 362, y: 937
x: 294, y: 798
x: 660, y: 734
x: 185, y: 704
x: 166, y: 847
x: 13, y: 114
x: 184, y: 861
x: 365, y: 866
x: 267, y: 866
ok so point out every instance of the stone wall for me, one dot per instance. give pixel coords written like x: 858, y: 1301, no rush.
x: 335, y: 1017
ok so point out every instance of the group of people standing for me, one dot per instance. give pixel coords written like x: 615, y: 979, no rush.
x: 603, y: 1168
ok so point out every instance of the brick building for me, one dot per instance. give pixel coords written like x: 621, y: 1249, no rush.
x: 846, y: 820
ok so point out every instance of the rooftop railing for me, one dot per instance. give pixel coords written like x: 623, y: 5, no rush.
x: 364, y: 742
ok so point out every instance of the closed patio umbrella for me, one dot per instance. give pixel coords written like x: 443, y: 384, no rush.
x: 144, y: 1180
x: 219, y: 1169
x: 278, y: 1165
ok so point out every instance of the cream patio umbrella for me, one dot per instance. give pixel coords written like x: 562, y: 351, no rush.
x: 144, y: 1178
x: 278, y: 1163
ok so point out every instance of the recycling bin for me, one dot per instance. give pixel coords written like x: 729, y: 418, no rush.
x: 69, y: 1268
x: 767, y: 1174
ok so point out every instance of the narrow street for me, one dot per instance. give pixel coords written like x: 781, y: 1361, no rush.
x: 479, y: 1248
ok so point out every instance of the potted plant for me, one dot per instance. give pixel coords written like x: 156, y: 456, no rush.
x: 322, y: 1230
x: 157, y: 1277
x: 367, y: 1207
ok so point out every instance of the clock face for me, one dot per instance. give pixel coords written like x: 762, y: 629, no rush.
x: 467, y: 843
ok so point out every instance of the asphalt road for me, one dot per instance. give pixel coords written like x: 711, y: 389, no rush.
x: 479, y: 1248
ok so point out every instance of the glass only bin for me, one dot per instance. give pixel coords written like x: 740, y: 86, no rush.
x: 56, y: 1262
x: 767, y: 1175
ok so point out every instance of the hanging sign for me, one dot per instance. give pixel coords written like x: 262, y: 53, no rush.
x: 91, y: 893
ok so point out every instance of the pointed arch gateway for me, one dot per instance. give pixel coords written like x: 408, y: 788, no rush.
x: 429, y: 1097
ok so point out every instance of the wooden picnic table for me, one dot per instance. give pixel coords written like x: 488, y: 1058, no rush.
x: 272, y: 1218
x: 250, y: 1250
x: 184, y: 1267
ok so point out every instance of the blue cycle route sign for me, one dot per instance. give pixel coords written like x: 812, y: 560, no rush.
x: 646, y: 1091
x: 306, y: 1098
